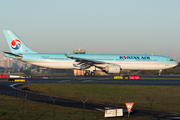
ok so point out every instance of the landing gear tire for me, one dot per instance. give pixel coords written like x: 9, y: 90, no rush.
x: 92, y: 74
x: 86, y: 74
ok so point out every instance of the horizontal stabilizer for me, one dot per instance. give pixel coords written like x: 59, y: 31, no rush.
x: 19, y: 56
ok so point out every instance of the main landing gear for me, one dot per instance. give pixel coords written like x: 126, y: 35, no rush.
x: 88, y: 73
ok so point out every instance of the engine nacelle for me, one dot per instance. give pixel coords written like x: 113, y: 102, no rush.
x: 112, y: 69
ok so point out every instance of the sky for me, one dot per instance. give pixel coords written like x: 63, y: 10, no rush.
x: 97, y: 26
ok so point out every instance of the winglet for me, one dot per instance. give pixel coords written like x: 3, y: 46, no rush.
x: 68, y: 56
x: 65, y: 54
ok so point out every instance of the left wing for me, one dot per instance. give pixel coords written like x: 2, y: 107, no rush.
x: 87, y: 62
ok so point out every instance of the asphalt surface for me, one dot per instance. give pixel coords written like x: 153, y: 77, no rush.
x: 9, y: 89
x: 145, y: 80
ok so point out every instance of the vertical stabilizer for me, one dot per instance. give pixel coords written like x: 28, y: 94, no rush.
x: 15, y: 43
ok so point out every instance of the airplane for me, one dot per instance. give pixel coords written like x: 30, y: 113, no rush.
x: 108, y: 63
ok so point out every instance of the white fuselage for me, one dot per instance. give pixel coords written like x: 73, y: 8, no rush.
x: 124, y: 65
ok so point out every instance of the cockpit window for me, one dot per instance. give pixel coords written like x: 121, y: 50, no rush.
x: 171, y: 60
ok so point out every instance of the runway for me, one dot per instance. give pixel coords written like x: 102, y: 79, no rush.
x: 145, y: 80
x: 8, y: 88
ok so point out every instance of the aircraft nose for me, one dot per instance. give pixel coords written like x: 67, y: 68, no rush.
x: 176, y: 63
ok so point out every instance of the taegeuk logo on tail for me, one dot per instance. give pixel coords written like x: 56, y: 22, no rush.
x: 16, y: 44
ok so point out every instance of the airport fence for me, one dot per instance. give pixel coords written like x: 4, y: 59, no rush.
x: 18, y: 107
x: 12, y: 108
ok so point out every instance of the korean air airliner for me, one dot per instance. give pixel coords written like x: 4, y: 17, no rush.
x: 109, y: 63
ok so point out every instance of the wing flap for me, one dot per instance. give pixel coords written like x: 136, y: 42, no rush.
x: 88, y: 61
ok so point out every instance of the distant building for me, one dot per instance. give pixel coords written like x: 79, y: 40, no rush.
x: 79, y: 51
x: 7, y: 62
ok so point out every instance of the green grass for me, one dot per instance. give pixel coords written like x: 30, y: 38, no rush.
x: 12, y: 109
x: 167, y: 98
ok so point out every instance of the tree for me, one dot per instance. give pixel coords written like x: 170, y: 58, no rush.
x: 27, y: 72
x: 21, y: 69
x: 2, y: 69
x: 38, y: 68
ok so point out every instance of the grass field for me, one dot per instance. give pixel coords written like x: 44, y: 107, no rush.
x: 167, y: 98
x: 12, y: 109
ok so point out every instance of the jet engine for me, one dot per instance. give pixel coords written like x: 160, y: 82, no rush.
x: 112, y: 69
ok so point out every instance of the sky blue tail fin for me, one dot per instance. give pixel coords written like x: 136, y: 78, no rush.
x: 15, y: 43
